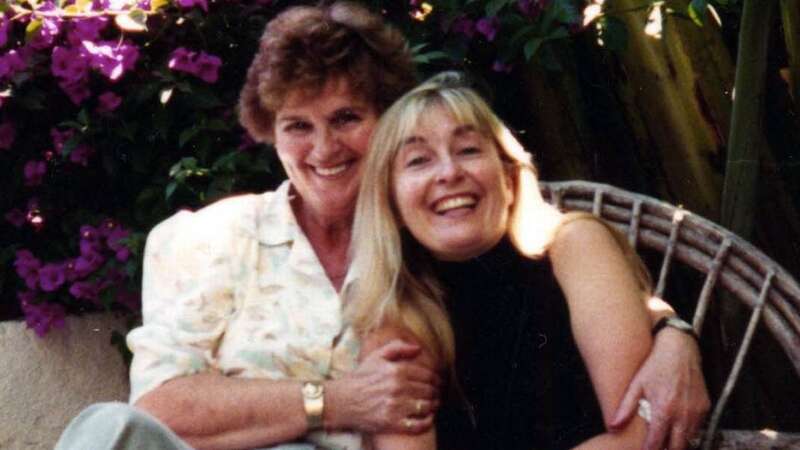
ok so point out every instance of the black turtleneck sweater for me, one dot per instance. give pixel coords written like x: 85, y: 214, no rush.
x: 523, y: 383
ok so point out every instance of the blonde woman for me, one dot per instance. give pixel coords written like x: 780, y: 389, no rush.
x: 547, y: 309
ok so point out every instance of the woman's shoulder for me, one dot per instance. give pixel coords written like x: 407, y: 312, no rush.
x: 218, y: 222
x: 579, y: 230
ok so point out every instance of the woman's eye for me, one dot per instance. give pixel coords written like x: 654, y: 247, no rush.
x: 416, y: 161
x: 469, y: 150
x: 345, y: 117
x: 297, y: 126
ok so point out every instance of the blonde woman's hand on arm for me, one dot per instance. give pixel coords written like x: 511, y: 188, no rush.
x: 609, y: 321
x: 671, y: 379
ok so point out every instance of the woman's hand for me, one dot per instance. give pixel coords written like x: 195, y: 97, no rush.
x: 393, y: 390
x: 671, y: 380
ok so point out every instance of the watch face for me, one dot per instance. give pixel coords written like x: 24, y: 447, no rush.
x: 312, y: 390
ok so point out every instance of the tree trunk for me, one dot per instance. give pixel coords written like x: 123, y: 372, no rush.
x: 747, y: 134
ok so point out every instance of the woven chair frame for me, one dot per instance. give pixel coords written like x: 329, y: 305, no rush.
x: 728, y: 261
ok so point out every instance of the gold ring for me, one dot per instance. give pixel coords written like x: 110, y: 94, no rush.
x: 419, y: 406
x: 408, y: 423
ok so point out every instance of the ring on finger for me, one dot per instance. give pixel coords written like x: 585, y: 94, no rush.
x: 419, y: 405
x: 408, y: 423
x: 645, y: 410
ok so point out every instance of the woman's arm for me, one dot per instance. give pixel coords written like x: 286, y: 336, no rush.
x: 212, y: 411
x: 609, y: 321
x: 418, y: 410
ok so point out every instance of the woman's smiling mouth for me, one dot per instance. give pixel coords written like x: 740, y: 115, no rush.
x: 448, y: 204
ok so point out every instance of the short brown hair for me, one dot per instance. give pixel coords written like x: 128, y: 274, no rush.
x: 305, y: 46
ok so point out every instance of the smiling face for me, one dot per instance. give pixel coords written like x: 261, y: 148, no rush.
x: 450, y: 187
x: 321, y: 141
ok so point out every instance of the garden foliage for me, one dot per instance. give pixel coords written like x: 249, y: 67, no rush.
x: 116, y: 113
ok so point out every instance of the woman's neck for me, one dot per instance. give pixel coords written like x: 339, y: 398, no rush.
x: 329, y: 236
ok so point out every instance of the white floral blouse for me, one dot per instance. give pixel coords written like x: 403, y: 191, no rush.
x: 237, y: 288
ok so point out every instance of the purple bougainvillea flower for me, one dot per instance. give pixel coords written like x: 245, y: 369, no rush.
x: 182, y: 60
x: 69, y: 64
x: 5, y: 25
x: 34, y: 172
x: 11, y: 63
x: 87, y: 263
x: 107, y: 102
x: 15, y: 217
x: 208, y: 67
x: 84, y: 290
x: 27, y: 267
x: 47, y: 33
x: 69, y: 270
x: 51, y: 277
x: 488, y: 26
x: 203, y: 4
x: 112, y: 59
x: 43, y: 317
x: 7, y: 135
x: 464, y: 25
x: 106, y: 226
x: 77, y: 91
x: 86, y: 30
x: 80, y: 155
x: 500, y: 66
x: 121, y: 251
x: 202, y: 65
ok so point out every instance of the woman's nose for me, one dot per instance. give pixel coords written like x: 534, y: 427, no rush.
x: 449, y: 171
x: 327, y: 144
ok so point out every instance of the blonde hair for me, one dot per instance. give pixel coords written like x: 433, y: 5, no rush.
x: 395, y: 284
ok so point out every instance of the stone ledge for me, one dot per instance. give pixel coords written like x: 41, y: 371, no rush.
x: 47, y: 381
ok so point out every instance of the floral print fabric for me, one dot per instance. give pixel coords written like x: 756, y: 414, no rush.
x: 237, y: 288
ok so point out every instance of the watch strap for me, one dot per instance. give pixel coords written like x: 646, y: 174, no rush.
x: 676, y: 323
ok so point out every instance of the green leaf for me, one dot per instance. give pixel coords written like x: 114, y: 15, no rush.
x: 187, y: 135
x: 170, y: 189
x: 698, y: 9
x: 531, y: 47
x: 134, y: 21
x: 155, y: 5
x: 32, y: 29
x: 494, y: 6
x: 83, y: 117
x: 426, y: 58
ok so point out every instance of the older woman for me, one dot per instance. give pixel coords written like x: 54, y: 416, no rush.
x: 243, y: 343
x: 454, y: 198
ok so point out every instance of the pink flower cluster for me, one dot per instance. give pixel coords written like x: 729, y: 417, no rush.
x: 81, y: 276
x: 200, y: 64
x: 71, y: 64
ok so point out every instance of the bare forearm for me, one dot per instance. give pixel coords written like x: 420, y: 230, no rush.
x: 214, y: 411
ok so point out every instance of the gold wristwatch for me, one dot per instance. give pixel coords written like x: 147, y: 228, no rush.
x: 313, y: 403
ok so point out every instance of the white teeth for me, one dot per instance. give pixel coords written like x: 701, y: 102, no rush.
x: 330, y: 171
x: 454, y: 202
